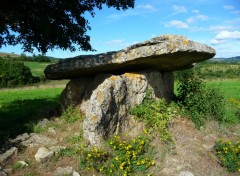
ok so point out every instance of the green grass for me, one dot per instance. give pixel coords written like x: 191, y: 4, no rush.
x: 37, y: 68
x: 21, y: 108
x: 231, y: 88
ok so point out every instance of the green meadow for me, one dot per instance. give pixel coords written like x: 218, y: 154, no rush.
x: 230, y: 88
x: 37, y: 68
x: 21, y: 108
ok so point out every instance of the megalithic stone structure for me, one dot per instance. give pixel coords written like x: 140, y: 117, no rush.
x: 104, y: 86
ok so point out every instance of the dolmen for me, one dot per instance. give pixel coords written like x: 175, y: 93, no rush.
x: 105, y: 86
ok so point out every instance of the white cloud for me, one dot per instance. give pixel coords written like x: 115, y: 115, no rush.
x: 223, y: 36
x: 177, y: 24
x: 191, y: 20
x: 202, y: 17
x: 216, y: 42
x: 153, y: 35
x: 139, y: 10
x: 118, y: 42
x: 236, y: 12
x: 179, y: 9
x: 228, y: 35
x: 146, y: 7
x: 195, y: 11
x: 228, y: 7
x: 220, y: 28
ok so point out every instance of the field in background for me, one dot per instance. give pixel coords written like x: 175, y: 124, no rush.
x: 20, y: 108
x: 37, y: 68
x: 231, y: 88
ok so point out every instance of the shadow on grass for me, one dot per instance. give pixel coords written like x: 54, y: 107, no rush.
x: 19, y: 116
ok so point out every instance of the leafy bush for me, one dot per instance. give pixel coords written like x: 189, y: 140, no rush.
x: 71, y: 115
x: 229, y: 154
x: 15, y: 73
x: 125, y: 157
x: 235, y: 104
x: 197, y: 100
x: 157, y: 115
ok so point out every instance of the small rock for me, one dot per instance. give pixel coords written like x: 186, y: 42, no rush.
x: 44, y: 122
x: 8, y: 171
x: 186, y: 173
x: 3, y: 173
x: 75, y: 173
x: 43, y: 154
x: 20, y: 138
x: 23, y: 164
x: 8, y: 155
x: 52, y: 130
x: 38, y: 139
x: 61, y: 171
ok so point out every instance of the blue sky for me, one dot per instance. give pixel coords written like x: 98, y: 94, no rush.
x: 212, y: 22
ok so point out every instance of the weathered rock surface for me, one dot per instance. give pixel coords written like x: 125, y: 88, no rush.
x: 165, y: 53
x: 5, y: 157
x: 20, y: 138
x: 62, y: 171
x: 43, y: 154
x: 186, y: 173
x: 37, y: 139
x: 106, y: 99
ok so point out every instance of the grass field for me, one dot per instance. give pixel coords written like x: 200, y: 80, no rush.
x: 37, y: 68
x: 231, y: 88
x: 21, y: 108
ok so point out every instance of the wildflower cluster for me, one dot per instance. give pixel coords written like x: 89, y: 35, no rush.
x: 234, y: 101
x: 127, y: 157
x: 93, y: 158
x: 229, y: 154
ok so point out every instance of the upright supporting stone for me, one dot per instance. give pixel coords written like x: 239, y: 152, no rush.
x: 107, y: 98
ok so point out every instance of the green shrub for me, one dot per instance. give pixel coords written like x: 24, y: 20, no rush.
x: 229, y: 154
x: 125, y: 157
x: 198, y: 101
x: 71, y: 115
x: 157, y: 115
x: 13, y: 74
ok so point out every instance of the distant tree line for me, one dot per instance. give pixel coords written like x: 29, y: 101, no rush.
x: 34, y: 58
x: 212, y: 70
x: 23, y: 57
x: 14, y: 74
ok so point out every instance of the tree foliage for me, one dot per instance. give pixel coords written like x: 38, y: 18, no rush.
x: 49, y: 24
x: 13, y: 74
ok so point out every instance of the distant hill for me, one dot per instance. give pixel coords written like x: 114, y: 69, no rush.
x: 3, y: 54
x: 12, y: 55
x: 228, y: 60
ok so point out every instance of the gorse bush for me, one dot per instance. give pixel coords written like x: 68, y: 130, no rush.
x: 229, y: 154
x: 13, y: 74
x: 198, y: 101
x: 157, y: 115
x: 125, y: 157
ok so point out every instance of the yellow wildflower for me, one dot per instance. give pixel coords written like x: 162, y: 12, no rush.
x: 153, y: 162
x: 101, y: 169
